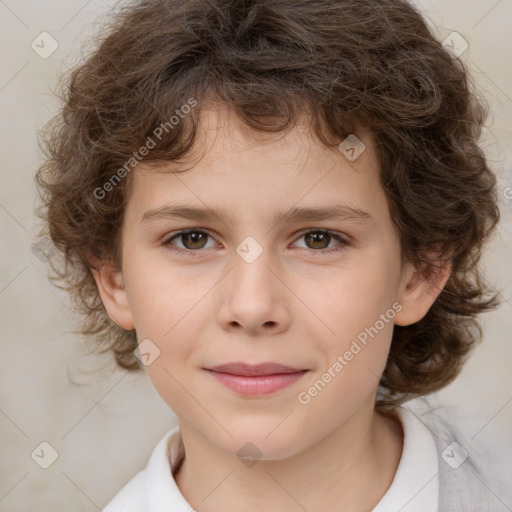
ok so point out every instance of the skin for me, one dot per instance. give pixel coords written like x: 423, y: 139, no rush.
x: 296, y: 304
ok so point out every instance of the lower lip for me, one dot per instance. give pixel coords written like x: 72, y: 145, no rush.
x: 261, y: 385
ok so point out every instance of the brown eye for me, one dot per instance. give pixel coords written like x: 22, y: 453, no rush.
x: 190, y: 240
x: 317, y: 239
x: 194, y: 240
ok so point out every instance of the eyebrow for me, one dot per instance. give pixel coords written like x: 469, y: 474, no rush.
x: 337, y: 212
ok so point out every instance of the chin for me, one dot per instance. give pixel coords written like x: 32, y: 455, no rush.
x: 257, y: 444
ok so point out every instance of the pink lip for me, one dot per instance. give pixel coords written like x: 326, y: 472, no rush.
x: 260, y: 379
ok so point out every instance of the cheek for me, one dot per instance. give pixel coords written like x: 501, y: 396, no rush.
x: 356, y: 305
x: 352, y: 298
x: 167, y: 304
x: 162, y: 295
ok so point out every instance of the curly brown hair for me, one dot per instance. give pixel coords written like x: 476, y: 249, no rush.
x: 344, y: 64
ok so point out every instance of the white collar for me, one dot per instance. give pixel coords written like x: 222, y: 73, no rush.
x: 415, y: 487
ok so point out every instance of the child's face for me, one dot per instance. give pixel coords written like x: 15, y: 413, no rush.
x: 298, y: 303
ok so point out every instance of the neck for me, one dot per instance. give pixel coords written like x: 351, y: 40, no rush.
x: 353, y: 466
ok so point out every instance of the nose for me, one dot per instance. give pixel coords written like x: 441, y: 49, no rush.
x: 253, y: 296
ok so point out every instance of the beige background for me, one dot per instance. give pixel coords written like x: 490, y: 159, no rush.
x: 104, y: 426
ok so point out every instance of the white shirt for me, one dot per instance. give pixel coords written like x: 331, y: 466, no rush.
x: 415, y: 487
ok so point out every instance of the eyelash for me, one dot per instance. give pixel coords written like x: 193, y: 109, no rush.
x: 191, y: 252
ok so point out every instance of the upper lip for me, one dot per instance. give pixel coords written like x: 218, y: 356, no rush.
x: 254, y: 370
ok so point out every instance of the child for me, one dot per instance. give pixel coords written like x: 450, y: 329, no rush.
x: 277, y: 210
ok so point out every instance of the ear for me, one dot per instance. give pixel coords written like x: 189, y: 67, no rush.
x: 418, y: 291
x: 111, y: 288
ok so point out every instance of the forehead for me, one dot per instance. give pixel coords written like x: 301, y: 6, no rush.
x: 233, y: 167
